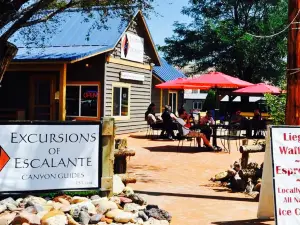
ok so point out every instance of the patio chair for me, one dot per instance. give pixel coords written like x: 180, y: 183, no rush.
x: 181, y: 137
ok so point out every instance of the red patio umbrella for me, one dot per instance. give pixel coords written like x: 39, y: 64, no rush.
x: 217, y: 80
x: 178, y: 84
x: 260, y: 88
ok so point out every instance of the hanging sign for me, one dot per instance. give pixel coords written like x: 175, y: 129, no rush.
x: 285, y: 146
x: 132, y: 47
x: 36, y: 157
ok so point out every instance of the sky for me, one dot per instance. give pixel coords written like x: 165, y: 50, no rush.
x: 161, y: 26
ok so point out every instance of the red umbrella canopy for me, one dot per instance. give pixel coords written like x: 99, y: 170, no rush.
x: 218, y: 80
x: 260, y: 88
x: 179, y: 84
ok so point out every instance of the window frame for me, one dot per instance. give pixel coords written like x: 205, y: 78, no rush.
x: 176, y: 103
x: 85, y: 83
x: 120, y: 85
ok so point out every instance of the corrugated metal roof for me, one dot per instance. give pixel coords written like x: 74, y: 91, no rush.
x: 72, y: 35
x: 166, y: 72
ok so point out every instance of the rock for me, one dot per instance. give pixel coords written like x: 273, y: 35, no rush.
x: 56, y: 220
x: 125, y: 200
x: 137, y: 199
x: 118, y: 185
x: 102, y: 223
x: 77, y: 199
x: 63, y: 201
x: 42, y: 214
x: 148, y: 207
x: 18, y: 201
x: 2, y: 208
x: 8, y: 201
x: 71, y: 221
x: 75, y: 212
x: 159, y: 214
x: 35, y: 208
x: 65, y: 208
x: 55, y: 205
x: 105, y: 206
x: 65, y: 197
x: 153, y: 221
x: 143, y: 215
x: 25, y: 217
x: 94, y: 197
x: 30, y: 209
x: 7, y: 218
x: 131, y: 207
x: 124, y: 217
x: 113, y: 213
x: 96, y: 218
x: 128, y: 191
x: 88, y: 205
x: 35, y: 200
x: 84, y: 218
x: 257, y: 187
x: 107, y: 220
x: 25, y: 224
x: 52, y: 213
x: 116, y: 200
x: 139, y: 221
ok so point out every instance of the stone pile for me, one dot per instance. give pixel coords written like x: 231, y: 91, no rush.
x: 125, y: 208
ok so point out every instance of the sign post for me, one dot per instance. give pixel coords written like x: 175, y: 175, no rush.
x: 285, y: 149
x: 43, y: 156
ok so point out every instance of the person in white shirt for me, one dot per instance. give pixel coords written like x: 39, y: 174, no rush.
x: 189, y: 133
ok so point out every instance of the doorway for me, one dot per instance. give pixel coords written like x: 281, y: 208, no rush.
x: 173, y: 101
x: 42, y: 97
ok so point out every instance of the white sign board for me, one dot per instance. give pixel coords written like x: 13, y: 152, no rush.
x: 132, y: 48
x: 132, y: 76
x: 285, y: 144
x: 49, y: 157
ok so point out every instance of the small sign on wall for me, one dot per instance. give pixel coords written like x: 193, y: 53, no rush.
x: 132, y: 76
x: 285, y: 148
x: 132, y: 47
x: 36, y: 157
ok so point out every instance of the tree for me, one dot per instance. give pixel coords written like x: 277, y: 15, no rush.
x: 221, y: 35
x: 17, y: 14
x: 210, y: 101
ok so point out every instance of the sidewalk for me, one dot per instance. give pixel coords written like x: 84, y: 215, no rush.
x: 179, y: 183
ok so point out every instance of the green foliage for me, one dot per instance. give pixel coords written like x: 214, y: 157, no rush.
x: 276, y: 105
x: 71, y: 193
x: 219, y: 36
x: 210, y: 101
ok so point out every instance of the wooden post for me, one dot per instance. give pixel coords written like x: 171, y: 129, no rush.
x: 245, y: 156
x: 292, y: 116
x: 108, y: 145
x: 62, y: 92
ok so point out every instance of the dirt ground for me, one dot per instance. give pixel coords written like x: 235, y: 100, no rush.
x: 179, y: 182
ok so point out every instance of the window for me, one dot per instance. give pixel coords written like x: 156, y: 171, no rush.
x: 82, y: 100
x: 120, y: 107
x: 197, y: 105
x: 173, y: 101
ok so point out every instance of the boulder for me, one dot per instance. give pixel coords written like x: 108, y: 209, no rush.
x: 95, y: 218
x: 52, y: 213
x: 7, y: 218
x: 118, y: 185
x: 137, y: 199
x: 42, y: 214
x: 65, y: 208
x: 153, y: 221
x: 63, y: 201
x: 75, y: 212
x: 128, y: 191
x: 8, y: 201
x: 123, y: 217
x: 34, y: 200
x: 71, y: 221
x: 3, y: 208
x: 125, y: 200
x: 18, y: 201
x: 84, y: 218
x: 65, y: 197
x: 56, y: 220
x: 131, y: 207
x: 78, y: 199
x: 25, y: 217
x: 87, y: 204
x: 115, y: 199
x: 158, y: 214
x: 143, y: 216
x: 105, y: 206
x: 94, y: 197
x: 113, y: 213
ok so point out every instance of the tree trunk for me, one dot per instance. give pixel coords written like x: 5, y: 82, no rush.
x: 252, y: 148
x: 7, y: 52
x: 292, y: 116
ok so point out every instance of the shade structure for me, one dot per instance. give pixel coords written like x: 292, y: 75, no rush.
x: 180, y: 84
x: 217, y: 80
x: 260, y: 88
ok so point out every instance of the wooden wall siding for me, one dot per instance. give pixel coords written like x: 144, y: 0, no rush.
x: 139, y: 100
x: 155, y: 94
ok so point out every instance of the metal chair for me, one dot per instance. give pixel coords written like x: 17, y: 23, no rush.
x: 181, y: 137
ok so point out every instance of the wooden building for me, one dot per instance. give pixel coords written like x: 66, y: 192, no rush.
x: 76, y: 72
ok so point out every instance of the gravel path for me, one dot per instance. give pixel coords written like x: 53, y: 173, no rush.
x: 179, y: 183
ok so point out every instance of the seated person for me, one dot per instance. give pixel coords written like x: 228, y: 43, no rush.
x: 207, y: 120
x: 188, y: 133
x: 257, y: 123
x: 237, y: 182
x: 150, y: 110
x: 168, y: 117
x: 240, y: 122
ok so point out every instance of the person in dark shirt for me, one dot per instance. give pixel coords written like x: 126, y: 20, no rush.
x: 168, y: 117
x: 257, y: 122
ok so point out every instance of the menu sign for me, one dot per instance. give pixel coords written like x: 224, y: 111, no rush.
x: 285, y: 142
